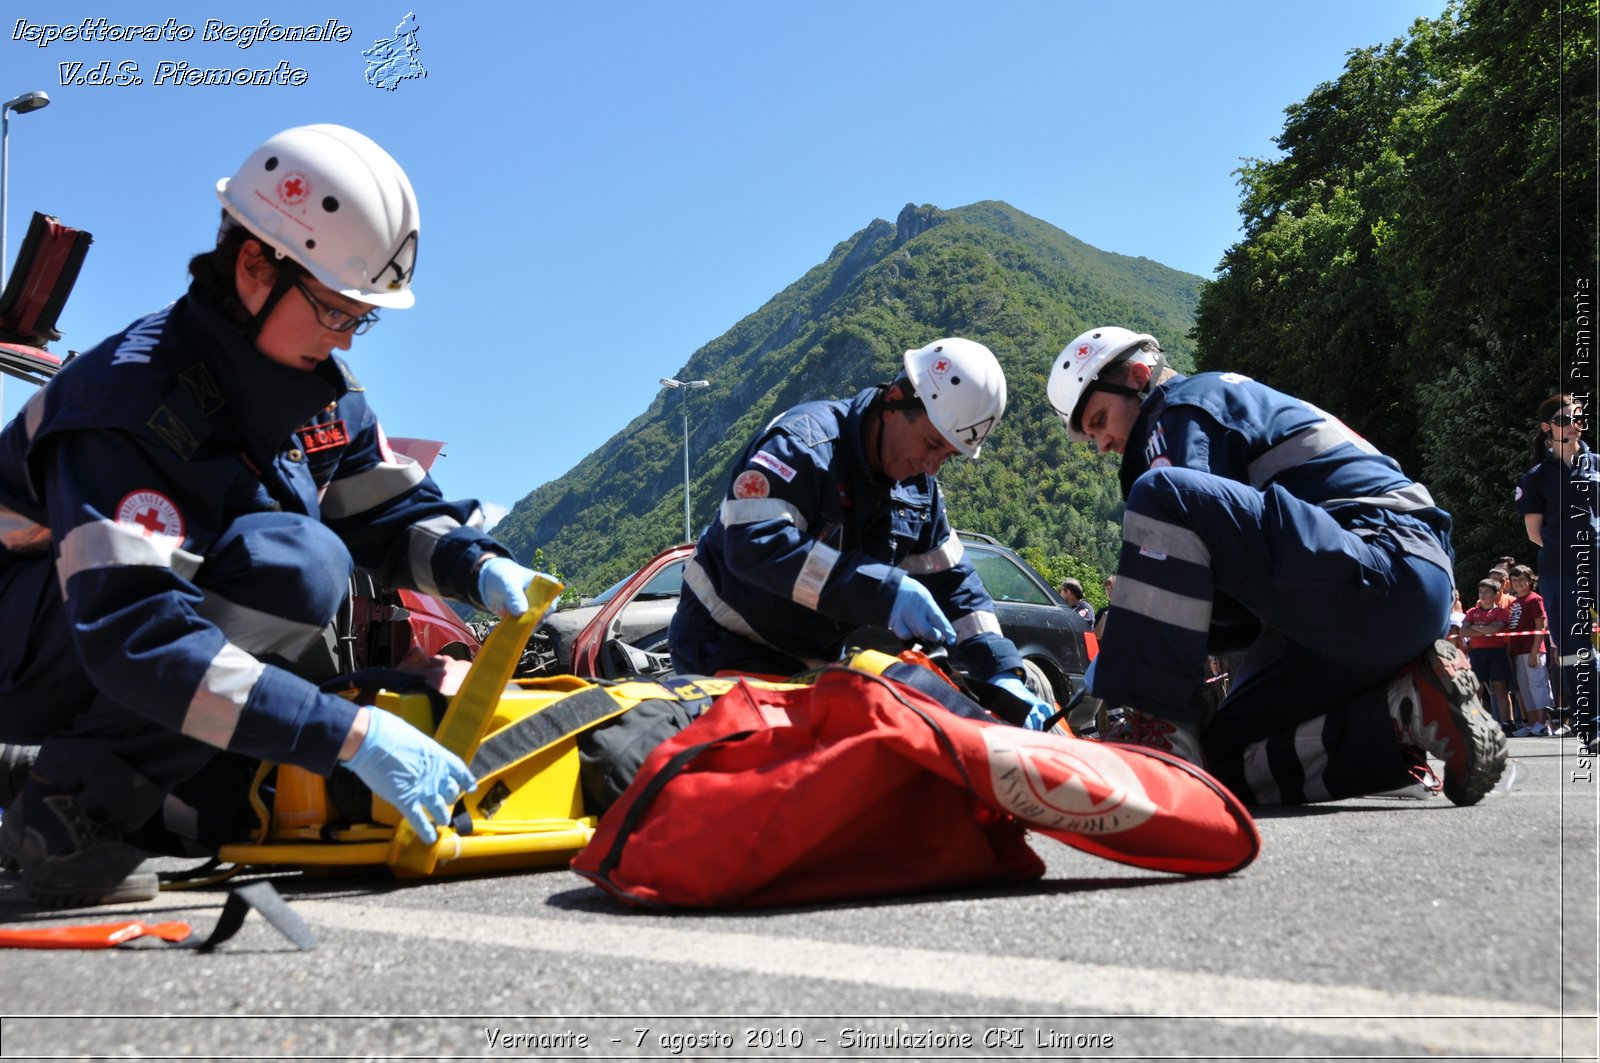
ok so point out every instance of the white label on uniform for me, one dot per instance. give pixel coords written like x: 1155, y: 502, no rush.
x: 767, y: 461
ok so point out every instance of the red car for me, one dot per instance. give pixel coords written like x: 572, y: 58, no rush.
x: 622, y: 631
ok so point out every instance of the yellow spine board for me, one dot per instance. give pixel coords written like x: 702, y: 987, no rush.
x: 527, y: 811
x: 470, y: 710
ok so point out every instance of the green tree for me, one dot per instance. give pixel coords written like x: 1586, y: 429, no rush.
x: 1405, y: 262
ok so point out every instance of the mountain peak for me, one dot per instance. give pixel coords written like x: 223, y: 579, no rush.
x: 914, y: 221
x: 986, y: 271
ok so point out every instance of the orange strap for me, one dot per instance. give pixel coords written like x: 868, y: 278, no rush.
x: 89, y: 935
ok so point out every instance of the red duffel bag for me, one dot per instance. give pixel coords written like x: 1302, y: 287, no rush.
x: 859, y: 786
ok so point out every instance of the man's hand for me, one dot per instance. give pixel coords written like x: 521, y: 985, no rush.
x: 915, y: 615
x: 1040, y: 710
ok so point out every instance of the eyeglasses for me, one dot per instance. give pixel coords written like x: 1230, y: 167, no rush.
x: 1561, y: 420
x: 333, y: 318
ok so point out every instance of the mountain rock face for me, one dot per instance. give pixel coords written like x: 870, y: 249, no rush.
x: 987, y: 272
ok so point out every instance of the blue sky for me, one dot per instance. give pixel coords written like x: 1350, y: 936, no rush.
x: 605, y: 187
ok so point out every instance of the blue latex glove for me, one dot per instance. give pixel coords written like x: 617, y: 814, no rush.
x: 1040, y: 712
x: 503, y: 587
x: 915, y: 615
x: 411, y: 771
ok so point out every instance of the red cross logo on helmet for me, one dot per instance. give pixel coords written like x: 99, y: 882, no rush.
x: 294, y: 188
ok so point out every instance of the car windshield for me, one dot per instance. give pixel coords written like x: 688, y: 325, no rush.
x: 668, y: 583
x: 1004, y: 581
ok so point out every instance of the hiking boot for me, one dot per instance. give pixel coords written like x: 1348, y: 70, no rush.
x: 1142, y: 729
x: 1435, y: 705
x: 69, y: 859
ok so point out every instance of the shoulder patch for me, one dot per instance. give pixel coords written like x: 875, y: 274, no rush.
x: 152, y: 512
x: 174, y: 431
x: 751, y: 484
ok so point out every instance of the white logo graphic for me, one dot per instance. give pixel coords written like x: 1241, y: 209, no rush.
x: 1064, y: 784
x: 152, y: 513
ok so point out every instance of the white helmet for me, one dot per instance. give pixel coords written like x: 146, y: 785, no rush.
x: 1081, y: 362
x: 336, y: 203
x: 962, y: 388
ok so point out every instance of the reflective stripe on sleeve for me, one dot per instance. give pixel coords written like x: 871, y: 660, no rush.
x: 736, y: 511
x: 1162, y: 537
x: 422, y: 539
x: 820, y: 561
x: 258, y: 632
x: 364, y: 490
x: 1163, y: 606
x: 724, y: 614
x: 107, y: 544
x: 941, y: 558
x: 974, y: 624
x: 1302, y: 447
x: 215, y: 709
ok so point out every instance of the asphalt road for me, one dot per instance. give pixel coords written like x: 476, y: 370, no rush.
x: 1370, y: 929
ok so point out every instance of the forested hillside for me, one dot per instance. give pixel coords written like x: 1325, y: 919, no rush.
x: 1421, y: 259
x: 985, y: 271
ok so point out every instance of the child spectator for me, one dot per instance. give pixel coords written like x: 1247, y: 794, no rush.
x: 1488, y: 655
x: 1501, y: 574
x: 1515, y: 713
x: 1527, y: 651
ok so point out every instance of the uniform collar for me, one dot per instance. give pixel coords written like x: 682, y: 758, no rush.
x: 263, y: 402
x: 1133, y: 459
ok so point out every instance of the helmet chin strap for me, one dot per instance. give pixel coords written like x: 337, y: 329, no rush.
x: 285, y: 279
x: 1122, y: 389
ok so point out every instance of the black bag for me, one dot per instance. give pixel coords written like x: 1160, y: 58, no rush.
x: 609, y: 756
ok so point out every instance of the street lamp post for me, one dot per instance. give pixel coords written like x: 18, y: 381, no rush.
x: 28, y: 101
x: 685, y: 386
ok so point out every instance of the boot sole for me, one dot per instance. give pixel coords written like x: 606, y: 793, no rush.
x: 1485, y: 741
x: 137, y: 886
